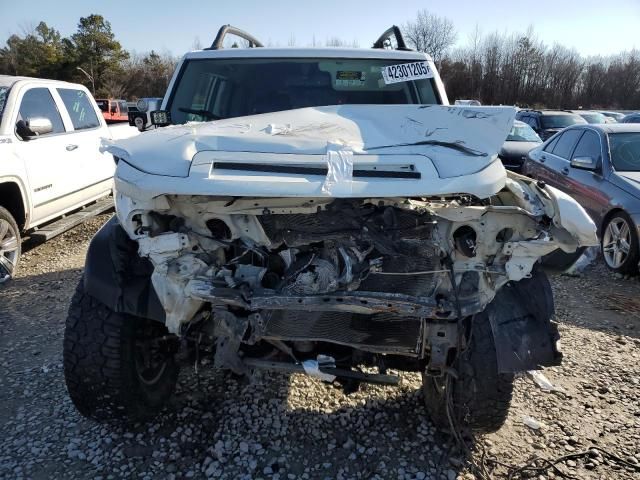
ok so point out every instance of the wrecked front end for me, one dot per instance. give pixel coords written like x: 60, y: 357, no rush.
x: 343, y: 276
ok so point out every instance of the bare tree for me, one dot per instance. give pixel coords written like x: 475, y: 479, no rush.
x: 338, y: 42
x: 431, y: 34
x: 114, y: 87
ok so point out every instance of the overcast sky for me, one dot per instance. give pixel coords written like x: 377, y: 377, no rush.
x: 592, y: 27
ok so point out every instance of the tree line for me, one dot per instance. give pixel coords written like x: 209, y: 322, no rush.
x: 91, y: 56
x: 520, y: 69
x: 495, y: 68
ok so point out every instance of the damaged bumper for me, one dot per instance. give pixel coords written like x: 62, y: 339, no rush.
x: 384, y: 250
x: 523, y: 222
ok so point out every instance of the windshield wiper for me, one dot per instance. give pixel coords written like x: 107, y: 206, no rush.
x: 203, y: 113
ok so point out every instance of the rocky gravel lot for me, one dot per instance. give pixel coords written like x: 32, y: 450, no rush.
x: 274, y: 426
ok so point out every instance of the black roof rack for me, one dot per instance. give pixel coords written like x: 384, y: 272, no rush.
x: 385, y: 39
x: 228, y: 29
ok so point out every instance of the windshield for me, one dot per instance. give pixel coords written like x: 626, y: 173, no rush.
x: 561, y: 121
x: 523, y: 133
x: 223, y: 88
x: 103, y: 105
x: 4, y: 93
x: 625, y: 151
x: 594, y: 117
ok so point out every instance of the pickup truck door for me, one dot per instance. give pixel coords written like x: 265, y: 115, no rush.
x: 44, y: 156
x: 93, y: 170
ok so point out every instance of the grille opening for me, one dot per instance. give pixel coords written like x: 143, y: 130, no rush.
x: 219, y: 229
x: 465, y: 240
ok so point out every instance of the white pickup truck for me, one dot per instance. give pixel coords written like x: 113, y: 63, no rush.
x: 50, y: 161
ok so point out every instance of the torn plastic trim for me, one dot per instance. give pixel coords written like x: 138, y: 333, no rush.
x: 525, y: 336
x: 574, y: 226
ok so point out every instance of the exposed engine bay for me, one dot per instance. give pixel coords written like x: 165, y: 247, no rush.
x: 381, y: 275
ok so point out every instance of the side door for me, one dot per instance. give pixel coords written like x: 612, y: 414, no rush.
x: 556, y: 159
x: 536, y: 164
x: 586, y: 185
x: 45, y: 157
x: 94, y: 169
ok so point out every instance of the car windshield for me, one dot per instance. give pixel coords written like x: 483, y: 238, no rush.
x: 561, y: 121
x: 625, y: 151
x: 594, y: 117
x: 103, y: 105
x: 523, y: 133
x: 4, y: 92
x: 210, y: 89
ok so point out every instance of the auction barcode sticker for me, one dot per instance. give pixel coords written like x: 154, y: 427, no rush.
x: 406, y: 72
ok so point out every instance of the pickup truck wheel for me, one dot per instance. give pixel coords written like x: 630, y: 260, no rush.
x: 10, y: 245
x: 480, y: 396
x: 116, y: 367
x: 620, y: 244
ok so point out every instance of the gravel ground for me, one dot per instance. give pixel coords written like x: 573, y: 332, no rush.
x: 274, y: 426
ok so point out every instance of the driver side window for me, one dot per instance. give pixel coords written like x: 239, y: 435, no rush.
x: 38, y: 102
x: 588, y: 146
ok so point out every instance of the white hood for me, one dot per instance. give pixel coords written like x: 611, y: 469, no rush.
x: 438, y: 142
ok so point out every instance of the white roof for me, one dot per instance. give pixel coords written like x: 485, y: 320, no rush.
x: 10, y: 80
x: 262, y: 52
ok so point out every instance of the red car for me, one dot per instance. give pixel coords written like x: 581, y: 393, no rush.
x: 113, y: 110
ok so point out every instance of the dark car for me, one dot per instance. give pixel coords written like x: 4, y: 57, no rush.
x: 549, y: 122
x: 599, y: 166
x: 631, y: 118
x: 521, y: 139
x: 615, y: 116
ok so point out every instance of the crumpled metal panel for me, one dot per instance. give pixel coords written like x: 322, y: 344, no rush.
x: 454, y: 149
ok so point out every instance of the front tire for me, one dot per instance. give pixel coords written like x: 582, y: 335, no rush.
x: 620, y: 244
x: 480, y: 396
x: 10, y: 245
x: 116, y: 367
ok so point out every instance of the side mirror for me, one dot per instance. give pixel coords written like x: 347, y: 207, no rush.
x: 114, y: 110
x: 160, y: 118
x: 34, y: 127
x: 585, y: 163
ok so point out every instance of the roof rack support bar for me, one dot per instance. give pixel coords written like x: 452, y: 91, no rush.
x: 395, y: 31
x: 228, y: 29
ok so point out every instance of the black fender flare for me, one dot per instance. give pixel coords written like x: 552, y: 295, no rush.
x: 521, y: 314
x: 116, y: 276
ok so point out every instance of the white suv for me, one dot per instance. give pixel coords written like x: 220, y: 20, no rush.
x: 50, y: 159
x: 314, y: 210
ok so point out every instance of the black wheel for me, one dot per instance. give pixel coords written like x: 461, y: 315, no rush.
x: 620, y: 244
x: 116, y: 367
x: 10, y: 245
x: 480, y: 396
